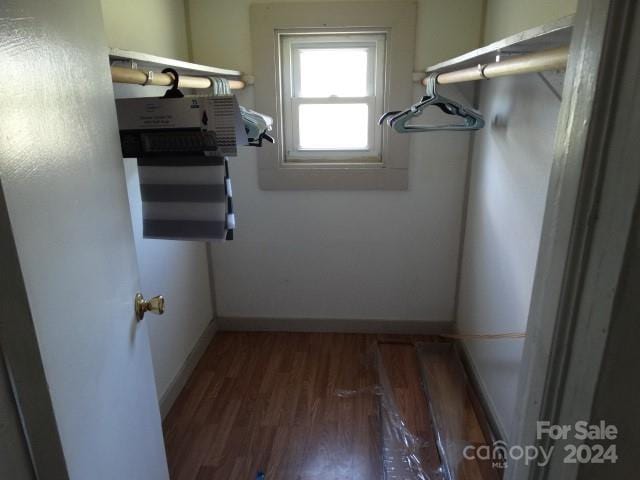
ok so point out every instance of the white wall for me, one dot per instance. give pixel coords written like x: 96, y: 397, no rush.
x: 221, y: 36
x: 150, y: 26
x: 175, y: 269
x: 509, y: 175
x: 350, y: 254
x: 347, y: 255
x: 506, y: 17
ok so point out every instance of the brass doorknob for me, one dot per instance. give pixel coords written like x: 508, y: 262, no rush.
x: 153, y: 305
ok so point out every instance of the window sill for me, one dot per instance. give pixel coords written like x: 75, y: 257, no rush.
x: 331, y: 163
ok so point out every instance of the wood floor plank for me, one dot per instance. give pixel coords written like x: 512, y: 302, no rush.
x: 267, y: 401
x: 453, y: 411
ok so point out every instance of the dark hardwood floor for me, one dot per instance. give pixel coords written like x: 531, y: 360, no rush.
x: 267, y: 402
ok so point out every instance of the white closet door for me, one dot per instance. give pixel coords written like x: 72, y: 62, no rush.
x: 65, y: 192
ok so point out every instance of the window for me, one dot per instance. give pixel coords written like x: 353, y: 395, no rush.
x: 326, y: 71
x: 332, y: 94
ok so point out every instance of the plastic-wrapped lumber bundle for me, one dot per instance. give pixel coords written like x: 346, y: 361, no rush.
x: 418, y: 448
x: 407, y: 453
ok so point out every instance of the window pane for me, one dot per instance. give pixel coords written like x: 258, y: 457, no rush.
x: 334, y: 126
x: 333, y: 71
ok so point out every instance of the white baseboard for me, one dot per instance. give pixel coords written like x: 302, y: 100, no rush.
x: 261, y: 324
x: 177, y: 384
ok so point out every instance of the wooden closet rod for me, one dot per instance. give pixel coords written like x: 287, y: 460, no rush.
x: 553, y: 59
x: 139, y: 77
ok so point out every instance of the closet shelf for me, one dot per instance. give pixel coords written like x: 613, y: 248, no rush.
x: 146, y: 61
x: 131, y: 67
x: 552, y: 35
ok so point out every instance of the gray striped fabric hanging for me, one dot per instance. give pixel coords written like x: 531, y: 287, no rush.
x: 186, y: 197
x: 181, y: 146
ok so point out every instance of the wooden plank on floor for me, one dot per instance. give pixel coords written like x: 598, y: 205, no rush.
x: 400, y: 378
x: 454, y: 413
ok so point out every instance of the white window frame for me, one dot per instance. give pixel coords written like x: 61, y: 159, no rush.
x: 290, y: 46
x: 397, y: 19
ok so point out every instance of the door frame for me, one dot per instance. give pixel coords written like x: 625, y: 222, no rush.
x: 19, y: 346
x: 593, y: 190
